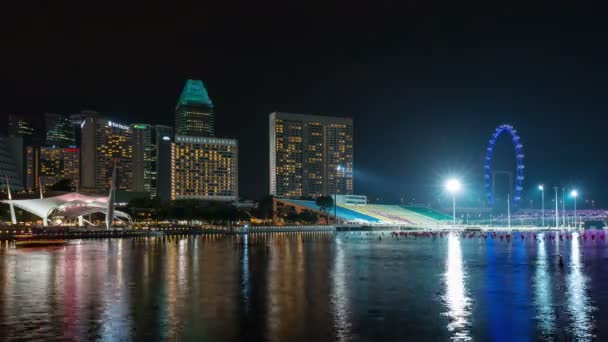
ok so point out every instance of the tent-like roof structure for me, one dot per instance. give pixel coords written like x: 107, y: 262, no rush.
x: 69, y: 205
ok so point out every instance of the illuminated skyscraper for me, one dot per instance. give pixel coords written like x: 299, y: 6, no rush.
x: 204, y: 168
x: 310, y: 155
x: 102, y: 143
x: 194, y: 111
x: 60, y: 132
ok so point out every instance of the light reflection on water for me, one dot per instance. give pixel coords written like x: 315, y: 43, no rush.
x: 456, y: 298
x: 311, y: 286
x: 542, y: 288
x: 579, y: 305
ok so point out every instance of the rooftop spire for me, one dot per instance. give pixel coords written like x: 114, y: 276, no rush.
x: 193, y: 94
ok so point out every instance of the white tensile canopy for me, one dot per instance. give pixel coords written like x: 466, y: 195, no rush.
x: 70, y: 205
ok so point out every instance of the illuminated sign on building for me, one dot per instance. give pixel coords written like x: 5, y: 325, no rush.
x: 117, y: 125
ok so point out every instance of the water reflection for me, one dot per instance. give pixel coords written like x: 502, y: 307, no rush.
x: 542, y: 290
x: 283, y: 287
x: 455, y: 298
x: 340, y: 294
x: 579, y: 303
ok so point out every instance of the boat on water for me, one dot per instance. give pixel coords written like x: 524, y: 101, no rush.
x: 40, y: 243
x: 29, y: 240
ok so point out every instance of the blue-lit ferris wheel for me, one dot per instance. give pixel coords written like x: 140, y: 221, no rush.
x: 519, y: 157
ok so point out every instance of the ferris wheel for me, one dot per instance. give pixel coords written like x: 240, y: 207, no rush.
x: 490, y: 175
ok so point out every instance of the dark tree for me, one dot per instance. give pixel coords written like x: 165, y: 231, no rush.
x: 325, y: 203
x: 265, y: 208
x: 308, y: 216
x: 63, y: 185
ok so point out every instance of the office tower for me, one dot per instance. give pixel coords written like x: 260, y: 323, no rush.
x: 204, y: 168
x: 163, y: 137
x: 11, y: 162
x: 152, y: 160
x: 57, y: 164
x: 19, y: 126
x: 50, y: 165
x: 32, y: 156
x: 194, y: 111
x: 77, y: 121
x: 104, y: 143
x: 60, y: 132
x: 144, y: 170
x: 310, y: 155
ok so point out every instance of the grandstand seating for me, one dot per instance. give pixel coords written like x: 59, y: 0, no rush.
x: 393, y: 214
x: 426, y: 211
x: 342, y: 212
x: 381, y: 213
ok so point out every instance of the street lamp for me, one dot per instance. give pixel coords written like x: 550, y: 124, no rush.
x: 453, y: 186
x: 574, y: 194
x: 556, y: 209
x: 542, y: 190
x: 338, y: 169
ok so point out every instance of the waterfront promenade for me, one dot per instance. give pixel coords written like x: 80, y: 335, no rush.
x: 10, y: 232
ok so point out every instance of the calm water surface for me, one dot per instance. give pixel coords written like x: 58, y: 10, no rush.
x: 307, y: 287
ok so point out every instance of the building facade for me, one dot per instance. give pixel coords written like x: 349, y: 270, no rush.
x: 163, y: 137
x: 194, y: 114
x: 19, y: 126
x: 57, y: 164
x: 60, y: 132
x: 204, y: 168
x: 11, y: 162
x: 310, y: 155
x: 144, y: 168
x: 32, y: 156
x: 105, y: 143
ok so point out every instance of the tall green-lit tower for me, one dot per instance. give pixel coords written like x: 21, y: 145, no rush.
x: 194, y: 111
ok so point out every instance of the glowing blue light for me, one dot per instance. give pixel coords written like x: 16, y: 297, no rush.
x: 519, y: 155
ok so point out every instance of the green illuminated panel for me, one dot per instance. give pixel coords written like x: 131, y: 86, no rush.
x: 194, y: 93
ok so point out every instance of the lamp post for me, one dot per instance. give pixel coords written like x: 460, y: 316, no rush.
x: 338, y: 169
x: 556, y: 209
x: 509, y: 210
x: 453, y: 186
x: 564, y: 206
x: 542, y: 192
x: 574, y: 194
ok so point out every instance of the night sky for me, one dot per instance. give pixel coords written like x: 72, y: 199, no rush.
x: 425, y: 85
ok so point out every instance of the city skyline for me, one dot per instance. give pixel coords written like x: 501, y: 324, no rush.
x: 430, y: 97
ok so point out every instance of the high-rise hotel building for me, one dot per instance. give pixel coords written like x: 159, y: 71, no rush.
x: 103, y: 143
x: 310, y: 155
x: 204, y: 168
x: 194, y: 114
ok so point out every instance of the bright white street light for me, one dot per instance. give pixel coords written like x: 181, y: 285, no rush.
x: 453, y: 186
x: 574, y: 194
x: 542, y: 190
